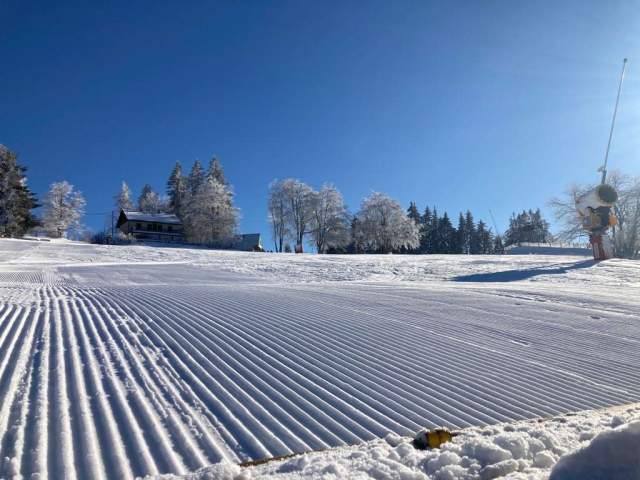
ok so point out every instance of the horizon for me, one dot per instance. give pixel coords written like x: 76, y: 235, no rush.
x: 462, y: 107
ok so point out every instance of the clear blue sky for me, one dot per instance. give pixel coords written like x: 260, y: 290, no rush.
x: 492, y: 104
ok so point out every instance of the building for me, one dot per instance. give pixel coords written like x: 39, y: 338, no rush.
x: 151, y: 227
x: 164, y: 227
x: 248, y: 242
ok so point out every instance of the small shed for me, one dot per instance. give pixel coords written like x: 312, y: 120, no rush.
x: 151, y: 227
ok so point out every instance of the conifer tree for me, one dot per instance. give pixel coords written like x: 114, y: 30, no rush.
x: 196, y: 178
x: 425, y: 231
x: 176, y: 190
x: 447, y: 241
x: 215, y: 171
x: 498, y: 247
x: 123, y: 199
x: 484, y: 239
x: 16, y: 200
x: 463, y: 243
x: 149, y: 201
x: 413, y: 214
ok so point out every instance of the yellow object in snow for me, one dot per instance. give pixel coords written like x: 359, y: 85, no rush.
x: 613, y: 220
x: 432, y: 438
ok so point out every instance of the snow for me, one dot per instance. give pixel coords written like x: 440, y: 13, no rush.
x: 532, y: 448
x: 125, y: 361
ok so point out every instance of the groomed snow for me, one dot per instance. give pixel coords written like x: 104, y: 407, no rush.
x: 591, y: 445
x: 118, y: 362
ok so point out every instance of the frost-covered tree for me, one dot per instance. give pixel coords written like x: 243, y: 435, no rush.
x: 149, y: 201
x: 210, y: 217
x: 196, y: 178
x: 329, y: 219
x: 16, y: 200
x: 216, y: 171
x: 208, y: 212
x: 177, y: 190
x: 63, y: 209
x: 278, y: 214
x: 297, y: 196
x: 383, y: 226
x: 123, y: 199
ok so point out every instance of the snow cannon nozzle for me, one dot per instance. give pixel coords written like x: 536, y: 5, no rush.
x: 425, y: 439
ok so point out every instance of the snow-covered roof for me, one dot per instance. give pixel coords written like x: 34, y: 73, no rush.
x: 153, y: 217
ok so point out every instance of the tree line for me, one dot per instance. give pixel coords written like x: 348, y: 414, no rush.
x: 202, y: 200
x: 63, y: 206
x: 297, y: 213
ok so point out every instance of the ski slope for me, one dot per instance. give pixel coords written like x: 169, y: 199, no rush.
x: 117, y: 362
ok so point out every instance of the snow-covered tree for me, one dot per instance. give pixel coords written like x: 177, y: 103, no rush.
x: 383, y: 226
x: 16, y: 200
x: 149, y: 201
x: 63, y: 209
x: 297, y: 196
x: 177, y: 190
x: 278, y: 214
x: 196, y: 178
x: 123, y: 199
x: 210, y: 217
x: 329, y: 219
x: 215, y: 171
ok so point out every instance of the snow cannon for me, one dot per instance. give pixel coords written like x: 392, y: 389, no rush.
x: 433, y: 438
x: 594, y: 209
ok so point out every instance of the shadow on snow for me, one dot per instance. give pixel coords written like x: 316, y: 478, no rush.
x: 515, y: 275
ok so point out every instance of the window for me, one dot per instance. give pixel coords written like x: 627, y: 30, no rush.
x: 138, y: 226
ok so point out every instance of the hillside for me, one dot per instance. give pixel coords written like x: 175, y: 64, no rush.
x: 118, y: 362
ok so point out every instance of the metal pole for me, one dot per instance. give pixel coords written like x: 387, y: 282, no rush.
x: 613, y: 122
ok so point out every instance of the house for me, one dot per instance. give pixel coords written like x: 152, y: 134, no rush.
x: 151, y: 227
x: 248, y: 242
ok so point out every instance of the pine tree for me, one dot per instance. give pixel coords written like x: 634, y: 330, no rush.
x: 176, y: 190
x: 434, y: 233
x: 16, y: 200
x: 485, y: 239
x: 149, y: 201
x: 196, y: 178
x: 123, y: 199
x: 413, y: 214
x: 463, y: 240
x: 215, y: 171
x: 425, y: 230
x: 498, y: 247
x: 447, y: 241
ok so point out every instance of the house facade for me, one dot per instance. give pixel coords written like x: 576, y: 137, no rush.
x: 160, y: 227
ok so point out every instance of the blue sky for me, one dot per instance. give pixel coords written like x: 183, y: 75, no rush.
x: 482, y: 105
